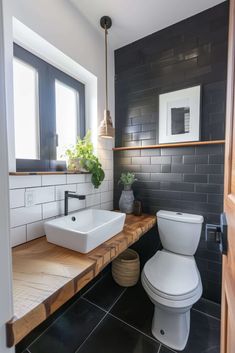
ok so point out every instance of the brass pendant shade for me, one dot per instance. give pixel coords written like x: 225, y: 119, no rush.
x: 106, y: 128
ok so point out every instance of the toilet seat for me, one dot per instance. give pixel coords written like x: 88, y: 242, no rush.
x: 169, y: 301
x: 172, y: 280
x: 172, y: 274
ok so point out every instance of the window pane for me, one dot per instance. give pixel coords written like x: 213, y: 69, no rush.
x: 26, y: 110
x: 66, y: 117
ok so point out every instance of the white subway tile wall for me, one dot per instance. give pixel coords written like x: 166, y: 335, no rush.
x: 60, y: 189
x: 76, y: 178
x: 27, y: 223
x: 43, y: 194
x: 17, y: 198
x: 93, y: 200
x: 54, y: 179
x: 24, y: 215
x: 34, y: 230
x: 26, y: 181
x: 51, y: 209
x: 18, y: 235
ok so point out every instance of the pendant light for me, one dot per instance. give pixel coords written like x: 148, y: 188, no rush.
x: 106, y: 128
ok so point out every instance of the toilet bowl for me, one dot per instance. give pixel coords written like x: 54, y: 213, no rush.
x: 171, y: 278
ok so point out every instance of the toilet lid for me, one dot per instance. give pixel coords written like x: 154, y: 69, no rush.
x: 172, y: 274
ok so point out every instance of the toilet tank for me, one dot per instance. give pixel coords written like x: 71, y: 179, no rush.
x: 179, y: 232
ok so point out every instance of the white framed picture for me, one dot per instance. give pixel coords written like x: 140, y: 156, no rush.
x: 179, y: 115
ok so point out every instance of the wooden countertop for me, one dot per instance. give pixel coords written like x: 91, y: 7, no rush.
x: 45, y: 276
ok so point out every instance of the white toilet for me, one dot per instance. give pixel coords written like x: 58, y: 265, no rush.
x: 171, y: 278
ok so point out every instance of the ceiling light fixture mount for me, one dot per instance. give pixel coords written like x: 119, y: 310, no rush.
x: 105, y: 22
x: 106, y: 128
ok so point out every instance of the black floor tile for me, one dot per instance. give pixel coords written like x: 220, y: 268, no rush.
x: 91, y: 283
x: 204, y: 334
x: 31, y: 337
x: 208, y: 307
x: 135, y: 308
x: 113, y: 336
x: 70, y: 330
x: 105, y: 292
x: 166, y: 350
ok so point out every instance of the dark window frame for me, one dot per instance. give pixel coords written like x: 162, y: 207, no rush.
x: 47, y: 75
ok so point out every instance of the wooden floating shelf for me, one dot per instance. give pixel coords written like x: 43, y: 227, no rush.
x: 168, y: 145
x: 45, y: 276
x: 46, y: 173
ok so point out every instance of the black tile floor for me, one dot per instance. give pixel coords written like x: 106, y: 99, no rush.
x: 111, y: 319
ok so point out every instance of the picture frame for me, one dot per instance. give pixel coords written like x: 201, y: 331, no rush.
x: 179, y: 115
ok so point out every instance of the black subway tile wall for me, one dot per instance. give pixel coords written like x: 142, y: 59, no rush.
x: 188, y: 53
x: 186, y: 179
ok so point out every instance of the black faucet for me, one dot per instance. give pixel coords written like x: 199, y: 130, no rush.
x: 73, y: 195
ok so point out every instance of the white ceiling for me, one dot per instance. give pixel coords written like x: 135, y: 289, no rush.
x: 134, y: 19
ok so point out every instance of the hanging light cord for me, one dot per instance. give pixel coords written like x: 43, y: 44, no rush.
x: 106, y: 68
x: 106, y: 125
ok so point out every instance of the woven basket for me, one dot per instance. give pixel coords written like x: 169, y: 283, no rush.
x: 126, y: 268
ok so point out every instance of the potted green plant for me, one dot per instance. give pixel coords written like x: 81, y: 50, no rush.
x: 127, y: 196
x: 81, y: 158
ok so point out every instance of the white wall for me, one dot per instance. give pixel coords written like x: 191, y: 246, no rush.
x: 5, y: 258
x: 60, y: 23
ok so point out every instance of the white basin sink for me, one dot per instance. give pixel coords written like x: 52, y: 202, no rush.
x: 84, y: 230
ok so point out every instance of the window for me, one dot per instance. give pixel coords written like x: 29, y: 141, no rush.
x: 67, y: 101
x: 26, y: 111
x: 49, y: 108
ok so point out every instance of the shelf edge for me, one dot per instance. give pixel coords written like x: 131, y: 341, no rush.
x: 170, y: 145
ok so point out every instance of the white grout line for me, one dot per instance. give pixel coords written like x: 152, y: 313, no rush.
x: 168, y: 348
x: 210, y: 301
x: 117, y: 299
x: 134, y: 328
x: 91, y: 333
x: 203, y: 313
x: 89, y: 301
x: 80, y: 297
x: 108, y: 313
x: 88, y: 290
x: 100, y: 320
x: 97, y: 306
x: 53, y: 323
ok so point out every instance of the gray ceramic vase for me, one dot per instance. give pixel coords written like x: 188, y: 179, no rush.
x: 126, y: 200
